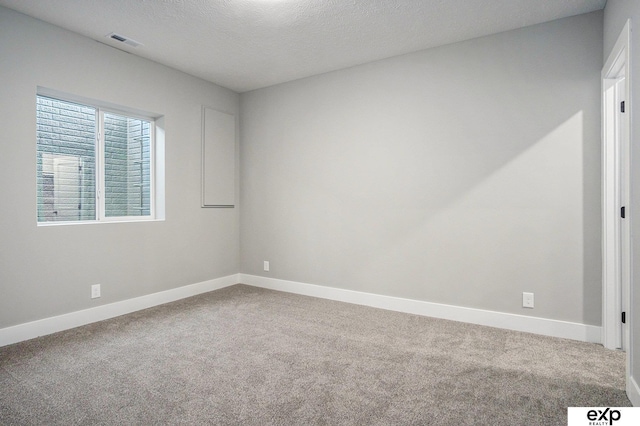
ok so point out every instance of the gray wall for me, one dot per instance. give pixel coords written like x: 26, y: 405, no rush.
x: 463, y: 175
x: 46, y: 271
x: 616, y: 14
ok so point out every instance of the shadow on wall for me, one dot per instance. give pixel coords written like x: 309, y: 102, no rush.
x: 464, y: 175
x: 504, y: 221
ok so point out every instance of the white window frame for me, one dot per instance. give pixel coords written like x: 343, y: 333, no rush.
x: 100, y: 208
x: 100, y: 167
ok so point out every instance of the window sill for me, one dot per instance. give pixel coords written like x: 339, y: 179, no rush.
x: 96, y: 222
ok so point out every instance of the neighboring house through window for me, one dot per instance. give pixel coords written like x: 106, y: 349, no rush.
x: 93, y: 163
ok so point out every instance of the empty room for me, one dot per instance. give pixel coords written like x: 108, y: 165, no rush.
x: 302, y: 212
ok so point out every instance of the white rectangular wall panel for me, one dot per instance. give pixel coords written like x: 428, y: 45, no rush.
x: 218, y: 158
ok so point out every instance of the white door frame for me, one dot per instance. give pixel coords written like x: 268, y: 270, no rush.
x: 616, y: 241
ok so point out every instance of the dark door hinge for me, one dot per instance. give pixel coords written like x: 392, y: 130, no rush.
x: 624, y: 317
x: 622, y: 212
x: 622, y: 106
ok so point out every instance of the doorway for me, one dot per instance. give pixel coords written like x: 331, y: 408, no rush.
x: 616, y: 243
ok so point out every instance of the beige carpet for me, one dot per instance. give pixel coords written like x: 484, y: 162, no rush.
x: 244, y: 355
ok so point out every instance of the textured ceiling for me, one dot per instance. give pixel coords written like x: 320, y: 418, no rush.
x: 248, y: 44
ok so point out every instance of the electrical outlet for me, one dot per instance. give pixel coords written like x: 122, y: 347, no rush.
x: 95, y: 291
x: 527, y: 300
x: 266, y: 265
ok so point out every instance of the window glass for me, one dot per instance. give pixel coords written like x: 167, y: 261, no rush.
x: 92, y: 164
x: 66, y: 160
x: 127, y: 166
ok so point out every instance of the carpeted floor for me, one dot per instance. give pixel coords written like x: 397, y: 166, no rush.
x: 243, y: 355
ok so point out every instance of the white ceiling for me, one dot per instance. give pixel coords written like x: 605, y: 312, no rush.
x: 249, y: 44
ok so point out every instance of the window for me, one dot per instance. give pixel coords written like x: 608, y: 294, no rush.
x: 93, y: 164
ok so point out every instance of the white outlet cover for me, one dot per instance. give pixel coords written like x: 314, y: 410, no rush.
x: 95, y: 291
x: 527, y: 300
x: 266, y: 265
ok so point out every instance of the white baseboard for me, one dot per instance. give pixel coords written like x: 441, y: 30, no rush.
x: 547, y: 327
x: 51, y: 325
x: 633, y: 392
x: 569, y: 330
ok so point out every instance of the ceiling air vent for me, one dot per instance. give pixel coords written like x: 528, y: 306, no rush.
x: 122, y: 39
